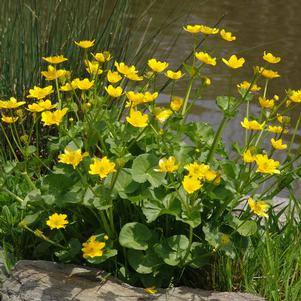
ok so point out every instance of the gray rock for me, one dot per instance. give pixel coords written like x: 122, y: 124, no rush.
x: 48, y: 281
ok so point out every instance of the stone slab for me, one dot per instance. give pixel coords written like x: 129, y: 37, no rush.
x: 49, y: 281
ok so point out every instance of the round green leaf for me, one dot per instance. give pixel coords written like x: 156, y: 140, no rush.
x: 134, y: 236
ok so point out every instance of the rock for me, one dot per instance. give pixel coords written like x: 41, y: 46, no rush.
x: 49, y: 281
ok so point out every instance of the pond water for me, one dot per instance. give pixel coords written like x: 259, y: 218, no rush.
x: 272, y: 25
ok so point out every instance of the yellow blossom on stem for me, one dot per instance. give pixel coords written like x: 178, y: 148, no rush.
x: 135, y: 98
x: 137, y: 119
x: 102, y: 57
x: 102, y: 167
x: 162, y: 114
x: 176, y: 104
x: 205, y: 58
x: 168, y: 164
x: 266, y: 165
x: 12, y: 103
x: 270, y: 74
x: 150, y: 97
x: 93, y: 248
x: 192, y: 28
x: 72, y: 157
x: 208, y: 30
x: 114, y: 91
x: 113, y: 77
x: 206, y: 80
x: 197, y: 170
x: 174, y: 75
x: 245, y: 85
x: 277, y: 144
x: 84, y: 84
x: 252, y: 125
x: 125, y: 69
x: 67, y: 87
x: 270, y: 58
x: 134, y: 76
x: 9, y: 119
x: 85, y: 43
x: 248, y: 157
x: 50, y: 118
x: 40, y: 93
x: 266, y: 103
x: 41, y: 106
x: 157, y: 66
x: 234, y: 62
x: 56, y: 59
x: 52, y: 73
x: 258, y: 207
x: 227, y: 35
x: 276, y: 129
x: 295, y: 96
x: 93, y: 67
x: 191, y: 184
x: 57, y: 221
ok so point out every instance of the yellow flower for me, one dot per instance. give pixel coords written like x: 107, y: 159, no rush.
x: 191, y: 184
x: 84, y: 84
x: 113, y: 77
x: 93, y: 248
x: 67, y: 87
x: 197, y: 170
x: 295, y: 95
x: 192, y: 28
x: 102, y: 57
x: 266, y: 165
x: 276, y: 129
x: 114, y: 92
x: 85, y: 43
x: 52, y: 73
x: 135, y: 98
x: 174, y: 75
x: 205, y: 58
x: 248, y: 157
x: 12, y: 103
x: 157, y: 66
x: 72, y: 157
x: 176, y: 104
x: 150, y: 290
x: 252, y: 125
x: 208, y: 30
x: 234, y: 62
x: 137, y: 119
x: 93, y: 67
x: 277, y: 144
x: 57, y: 221
x: 283, y: 119
x: 149, y: 97
x: 246, y: 85
x: 258, y: 207
x: 168, y: 165
x: 40, y: 93
x: 227, y: 35
x: 102, y: 167
x: 266, y: 103
x: 125, y: 69
x: 270, y: 74
x: 9, y: 119
x: 134, y: 76
x: 56, y: 59
x: 211, y: 175
x: 162, y: 114
x: 41, y: 106
x: 270, y: 58
x: 50, y: 118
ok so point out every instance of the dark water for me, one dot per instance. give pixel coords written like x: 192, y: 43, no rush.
x: 272, y: 25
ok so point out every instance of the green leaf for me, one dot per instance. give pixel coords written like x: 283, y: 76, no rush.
x: 227, y: 104
x: 30, y: 219
x: 143, y: 169
x: 247, y: 228
x: 124, y: 184
x: 29, y: 150
x: 143, y: 262
x: 199, y: 255
x: 134, y: 236
x: 190, y: 69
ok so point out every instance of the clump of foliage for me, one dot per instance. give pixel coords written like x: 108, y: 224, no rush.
x: 118, y: 181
